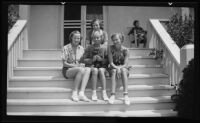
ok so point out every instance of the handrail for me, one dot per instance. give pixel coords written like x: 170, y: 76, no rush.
x: 167, y: 40
x: 15, y: 31
x: 160, y: 40
x: 17, y: 42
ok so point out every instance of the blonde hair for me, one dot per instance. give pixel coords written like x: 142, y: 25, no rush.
x: 97, y: 33
x: 121, y: 36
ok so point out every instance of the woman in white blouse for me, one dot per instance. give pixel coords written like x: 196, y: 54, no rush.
x: 73, y: 66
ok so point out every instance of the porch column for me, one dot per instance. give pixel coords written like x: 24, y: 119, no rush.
x: 186, y: 54
x: 185, y: 12
x: 24, y: 14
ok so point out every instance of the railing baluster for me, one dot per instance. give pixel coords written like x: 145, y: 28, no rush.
x: 160, y: 40
x: 15, y: 46
x: 15, y: 53
x: 11, y: 62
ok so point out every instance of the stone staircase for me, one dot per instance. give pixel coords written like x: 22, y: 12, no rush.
x: 38, y: 89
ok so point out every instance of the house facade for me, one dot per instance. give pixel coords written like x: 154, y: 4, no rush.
x: 50, y: 25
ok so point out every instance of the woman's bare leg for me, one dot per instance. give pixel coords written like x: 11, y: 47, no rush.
x: 75, y: 73
x: 85, y: 80
x: 102, y: 77
x: 103, y: 80
x: 113, y: 81
x: 124, y: 73
x: 94, y: 83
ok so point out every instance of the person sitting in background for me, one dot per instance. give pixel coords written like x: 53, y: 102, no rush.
x: 139, y: 34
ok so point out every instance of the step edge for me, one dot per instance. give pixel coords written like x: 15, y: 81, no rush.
x: 143, y: 113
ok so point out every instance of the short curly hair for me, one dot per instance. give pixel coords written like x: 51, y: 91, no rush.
x: 134, y: 22
x: 121, y: 36
x: 99, y: 21
x: 72, y: 34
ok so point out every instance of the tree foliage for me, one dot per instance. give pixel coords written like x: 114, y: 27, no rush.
x: 181, y: 30
x: 184, y: 99
x: 13, y: 15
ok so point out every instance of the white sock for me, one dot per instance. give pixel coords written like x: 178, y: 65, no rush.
x: 81, y: 93
x: 74, y: 92
x: 94, y: 92
x: 104, y: 91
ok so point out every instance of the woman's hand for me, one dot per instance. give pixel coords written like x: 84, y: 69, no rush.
x: 98, y: 58
x: 118, y: 72
x: 94, y: 58
x: 81, y: 65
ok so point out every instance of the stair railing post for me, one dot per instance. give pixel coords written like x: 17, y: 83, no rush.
x: 186, y: 54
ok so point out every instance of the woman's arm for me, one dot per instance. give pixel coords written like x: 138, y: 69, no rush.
x: 126, y: 59
x: 66, y: 64
x: 110, y: 58
x: 131, y: 31
x: 105, y: 40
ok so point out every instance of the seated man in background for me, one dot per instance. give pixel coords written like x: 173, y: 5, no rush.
x: 138, y: 33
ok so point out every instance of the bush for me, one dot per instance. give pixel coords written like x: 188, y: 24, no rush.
x: 13, y: 15
x: 180, y: 30
x: 184, y: 99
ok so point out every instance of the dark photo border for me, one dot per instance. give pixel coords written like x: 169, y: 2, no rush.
x: 4, y: 25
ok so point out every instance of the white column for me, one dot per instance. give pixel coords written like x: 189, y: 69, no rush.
x: 62, y: 27
x: 24, y: 14
x: 186, y: 54
x: 185, y: 12
x: 83, y: 25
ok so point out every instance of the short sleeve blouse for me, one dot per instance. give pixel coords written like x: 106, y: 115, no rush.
x: 69, y: 56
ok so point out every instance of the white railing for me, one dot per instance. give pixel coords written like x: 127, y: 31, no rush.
x: 17, y: 42
x: 161, y: 40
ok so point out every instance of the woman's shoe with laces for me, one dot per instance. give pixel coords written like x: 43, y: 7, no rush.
x: 82, y: 97
x: 75, y: 96
x: 94, y: 97
x: 105, y: 97
x: 126, y: 100
x: 112, y: 99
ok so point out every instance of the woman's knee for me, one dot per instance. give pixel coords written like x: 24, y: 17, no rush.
x: 102, y: 70
x: 94, y: 71
x: 123, y: 70
x: 81, y: 70
x: 113, y: 72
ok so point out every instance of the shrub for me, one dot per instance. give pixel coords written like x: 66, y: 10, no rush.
x: 13, y: 15
x: 184, y: 97
x: 181, y: 30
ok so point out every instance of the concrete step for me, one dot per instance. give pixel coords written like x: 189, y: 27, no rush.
x: 65, y: 92
x: 56, y: 53
x: 39, y: 63
x: 140, y: 51
x: 67, y: 105
x: 57, y: 71
x: 42, y: 54
x: 56, y: 81
x: 50, y: 62
x: 143, y: 60
x: 137, y: 113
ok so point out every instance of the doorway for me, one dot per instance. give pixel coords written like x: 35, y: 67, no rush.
x: 78, y: 17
